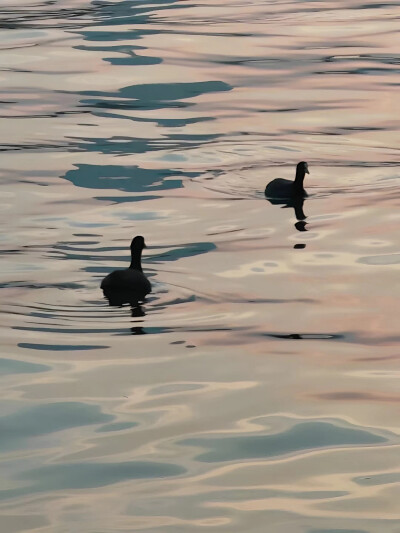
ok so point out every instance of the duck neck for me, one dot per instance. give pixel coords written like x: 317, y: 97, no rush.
x: 136, y: 260
x: 298, y: 181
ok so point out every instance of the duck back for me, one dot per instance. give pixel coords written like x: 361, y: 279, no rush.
x: 279, y: 188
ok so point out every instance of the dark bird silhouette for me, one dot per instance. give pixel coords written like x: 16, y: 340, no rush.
x: 129, y: 285
x: 290, y: 194
x: 283, y: 189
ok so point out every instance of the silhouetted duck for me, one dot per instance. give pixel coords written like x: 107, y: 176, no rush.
x: 281, y: 188
x: 129, y: 285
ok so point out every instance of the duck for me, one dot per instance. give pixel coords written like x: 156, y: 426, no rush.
x: 282, y: 188
x: 130, y: 284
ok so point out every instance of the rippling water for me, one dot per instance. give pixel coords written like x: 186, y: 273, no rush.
x: 257, y: 388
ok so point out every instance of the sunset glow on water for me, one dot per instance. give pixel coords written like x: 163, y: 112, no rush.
x: 256, y: 388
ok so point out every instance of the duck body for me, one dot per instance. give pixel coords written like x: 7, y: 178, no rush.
x: 128, y: 280
x: 130, y: 284
x: 282, y: 189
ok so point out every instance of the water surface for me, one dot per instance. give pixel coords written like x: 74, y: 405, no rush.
x: 257, y: 387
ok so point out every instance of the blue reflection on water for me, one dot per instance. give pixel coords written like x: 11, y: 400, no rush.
x: 123, y: 178
x: 13, y: 366
x: 18, y: 428
x: 302, y: 436
x: 89, y: 475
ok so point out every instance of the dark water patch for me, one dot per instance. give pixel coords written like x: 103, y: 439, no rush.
x: 356, y: 58
x: 133, y: 59
x: 128, y: 55
x: 31, y: 285
x: 18, y: 428
x: 38, y: 147
x: 126, y: 12
x: 153, y: 96
x: 125, y: 199
x: 126, y: 178
x: 95, y: 331
x: 87, y: 235
x: 80, y: 476
x: 43, y: 147
x: 380, y: 5
x: 77, y: 244
x: 140, y: 145
x: 121, y: 331
x: 187, y: 250
x: 61, y: 347
x: 352, y: 337
x: 14, y: 366
x: 72, y: 331
x: 176, y: 122
x: 301, y: 437
x: 11, y: 251
x: 66, y: 251
x: 363, y: 71
x: 112, y: 36
x: 67, y: 313
x: 74, y: 224
x: 47, y: 15
x: 305, y: 336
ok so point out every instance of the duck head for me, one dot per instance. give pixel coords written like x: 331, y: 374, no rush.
x: 138, y: 244
x: 302, y: 168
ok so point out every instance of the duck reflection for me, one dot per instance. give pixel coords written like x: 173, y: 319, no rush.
x: 137, y: 312
x: 297, y: 204
x: 119, y: 299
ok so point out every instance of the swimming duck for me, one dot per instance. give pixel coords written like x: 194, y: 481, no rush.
x: 281, y: 188
x: 131, y: 282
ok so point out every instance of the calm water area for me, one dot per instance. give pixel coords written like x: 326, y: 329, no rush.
x: 257, y: 388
